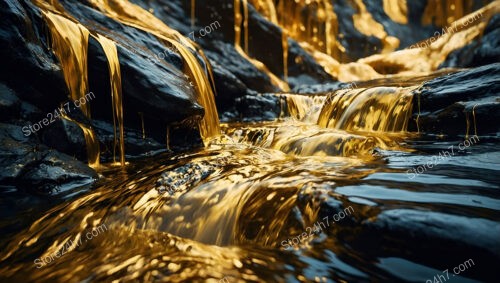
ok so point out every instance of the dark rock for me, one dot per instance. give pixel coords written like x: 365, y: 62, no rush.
x: 447, y: 102
x: 253, y: 108
x: 36, y: 168
x: 135, y: 144
x: 54, y: 173
x: 25, y: 56
x: 451, y: 236
x: 356, y: 44
x: 234, y: 64
x: 9, y: 103
x: 319, y: 88
x: 67, y: 137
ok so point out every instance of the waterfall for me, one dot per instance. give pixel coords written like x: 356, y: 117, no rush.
x: 383, y: 109
x: 69, y: 43
x: 133, y: 15
x: 116, y: 93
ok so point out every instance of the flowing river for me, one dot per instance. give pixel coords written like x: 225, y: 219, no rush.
x: 343, y: 186
x: 287, y: 200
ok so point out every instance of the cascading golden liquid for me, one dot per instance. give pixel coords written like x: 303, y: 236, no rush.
x: 116, y: 93
x: 238, y: 19
x: 69, y: 43
x: 133, y: 15
x: 245, y: 23
x: 304, y: 107
x: 386, y: 109
x: 314, y: 22
x: 297, y: 19
x: 267, y: 9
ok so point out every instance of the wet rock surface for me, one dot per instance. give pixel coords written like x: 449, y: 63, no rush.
x: 253, y: 108
x: 37, y: 168
x: 461, y: 103
x: 472, y: 238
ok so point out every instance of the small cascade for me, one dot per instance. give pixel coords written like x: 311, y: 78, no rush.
x: 386, y: 109
x: 238, y: 20
x: 116, y: 93
x: 312, y: 22
x: 468, y: 113
x: 69, y: 42
x: 135, y: 16
x: 304, y: 108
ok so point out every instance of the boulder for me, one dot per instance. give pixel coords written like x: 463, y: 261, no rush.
x: 449, y: 103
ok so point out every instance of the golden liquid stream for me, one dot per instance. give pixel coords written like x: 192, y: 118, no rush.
x: 443, y: 13
x: 245, y: 23
x: 69, y: 44
x: 474, y: 119
x: 238, y: 19
x: 193, y: 16
x: 284, y: 38
x: 133, y: 15
x: 383, y: 109
x: 312, y: 23
x: 142, y: 125
x: 116, y: 93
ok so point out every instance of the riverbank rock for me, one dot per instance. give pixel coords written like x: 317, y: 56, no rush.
x: 461, y: 103
x: 36, y: 168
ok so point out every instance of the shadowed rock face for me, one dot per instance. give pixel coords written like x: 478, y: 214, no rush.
x: 37, y: 168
